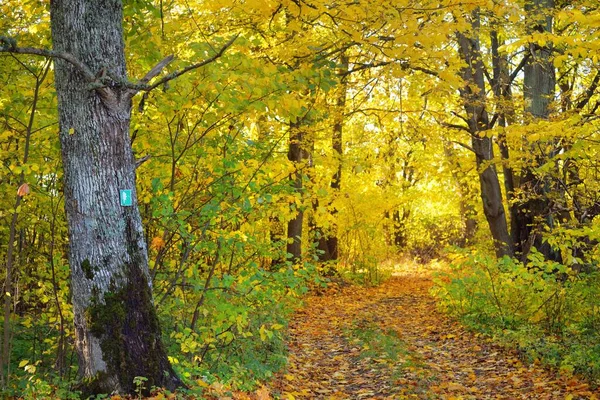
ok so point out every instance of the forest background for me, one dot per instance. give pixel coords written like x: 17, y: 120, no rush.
x: 317, y: 140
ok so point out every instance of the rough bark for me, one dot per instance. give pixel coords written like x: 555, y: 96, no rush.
x: 538, y: 90
x: 473, y: 95
x: 117, y: 334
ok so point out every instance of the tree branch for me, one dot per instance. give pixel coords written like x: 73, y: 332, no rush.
x: 514, y: 74
x: 455, y: 126
x: 157, y: 68
x: 176, y: 74
x: 9, y: 45
x: 589, y: 92
x: 406, y: 65
x: 365, y: 66
x: 466, y: 146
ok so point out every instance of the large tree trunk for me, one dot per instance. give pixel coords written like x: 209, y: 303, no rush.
x: 473, y: 95
x: 538, y: 90
x: 117, y: 333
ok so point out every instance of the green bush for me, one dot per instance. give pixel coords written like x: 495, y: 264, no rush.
x: 548, y: 311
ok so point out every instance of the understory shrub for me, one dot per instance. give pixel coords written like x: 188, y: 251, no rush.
x: 550, y: 312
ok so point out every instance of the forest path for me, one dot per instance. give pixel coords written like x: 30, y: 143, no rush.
x: 391, y: 342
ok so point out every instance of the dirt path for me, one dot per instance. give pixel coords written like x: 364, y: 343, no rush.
x: 390, y: 342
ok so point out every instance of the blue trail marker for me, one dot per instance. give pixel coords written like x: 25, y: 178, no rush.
x: 126, y: 197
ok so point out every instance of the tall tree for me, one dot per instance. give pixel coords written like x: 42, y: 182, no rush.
x: 296, y: 154
x: 117, y: 332
x: 538, y: 89
x: 474, y: 99
x: 328, y: 242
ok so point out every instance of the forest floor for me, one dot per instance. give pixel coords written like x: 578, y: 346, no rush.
x: 391, y: 342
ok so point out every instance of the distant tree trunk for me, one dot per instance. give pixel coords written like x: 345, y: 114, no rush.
x: 296, y: 156
x: 399, y: 232
x: 316, y: 232
x: 117, y: 333
x: 538, y: 89
x: 338, y: 149
x: 328, y: 241
x: 473, y: 95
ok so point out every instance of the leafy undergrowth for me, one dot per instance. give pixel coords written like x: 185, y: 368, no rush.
x: 391, y: 342
x: 547, y: 311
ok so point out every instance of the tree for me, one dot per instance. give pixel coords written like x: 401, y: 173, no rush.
x: 539, y: 81
x: 474, y: 97
x: 117, y: 331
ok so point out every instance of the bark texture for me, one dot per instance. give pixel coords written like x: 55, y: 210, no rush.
x: 116, y: 327
x: 539, y: 81
x: 473, y: 95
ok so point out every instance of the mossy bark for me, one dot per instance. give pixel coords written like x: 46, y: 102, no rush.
x: 117, y: 335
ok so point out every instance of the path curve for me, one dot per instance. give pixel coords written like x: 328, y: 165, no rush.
x: 390, y: 342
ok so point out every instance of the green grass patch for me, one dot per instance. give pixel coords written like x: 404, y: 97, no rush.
x: 382, y: 346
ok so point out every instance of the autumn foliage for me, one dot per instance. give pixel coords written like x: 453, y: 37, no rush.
x: 329, y: 141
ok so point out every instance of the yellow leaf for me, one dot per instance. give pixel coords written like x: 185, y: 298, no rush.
x: 202, y: 383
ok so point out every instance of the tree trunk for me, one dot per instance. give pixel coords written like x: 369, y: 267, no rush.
x: 505, y: 111
x: 538, y: 91
x: 399, y: 230
x: 473, y: 95
x: 338, y: 149
x: 117, y: 334
x: 296, y: 156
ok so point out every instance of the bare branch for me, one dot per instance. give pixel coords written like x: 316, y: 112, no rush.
x: 176, y: 74
x: 589, y: 92
x: 157, y: 68
x: 140, y: 161
x: 9, y: 45
x: 455, y: 126
x: 519, y: 67
x: 457, y: 115
x: 466, y: 146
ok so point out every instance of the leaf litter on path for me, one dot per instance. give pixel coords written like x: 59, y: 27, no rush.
x: 391, y: 342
